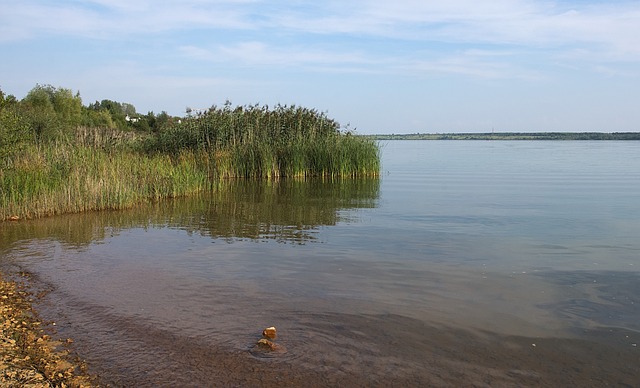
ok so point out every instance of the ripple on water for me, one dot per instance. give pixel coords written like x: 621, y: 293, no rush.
x: 330, y: 349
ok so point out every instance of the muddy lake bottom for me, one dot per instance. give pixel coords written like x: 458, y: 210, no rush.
x: 319, y: 350
x: 390, y: 351
x: 464, y: 264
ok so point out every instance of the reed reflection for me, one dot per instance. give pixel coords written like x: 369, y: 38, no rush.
x: 282, y: 210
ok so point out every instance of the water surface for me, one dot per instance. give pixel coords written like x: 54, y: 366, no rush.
x: 488, y: 263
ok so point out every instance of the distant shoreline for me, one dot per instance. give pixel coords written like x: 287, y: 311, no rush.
x: 512, y: 136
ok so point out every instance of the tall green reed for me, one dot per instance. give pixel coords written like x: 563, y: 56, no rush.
x: 65, y: 178
x: 258, y: 142
x: 95, y: 169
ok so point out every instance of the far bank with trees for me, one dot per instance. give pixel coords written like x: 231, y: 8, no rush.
x: 513, y: 136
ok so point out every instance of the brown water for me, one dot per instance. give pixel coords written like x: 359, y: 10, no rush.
x: 466, y: 263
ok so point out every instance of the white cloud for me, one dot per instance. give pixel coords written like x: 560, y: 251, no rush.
x: 25, y: 20
x: 610, y: 28
x: 259, y: 53
x: 523, y: 23
x: 115, y: 19
x: 473, y: 63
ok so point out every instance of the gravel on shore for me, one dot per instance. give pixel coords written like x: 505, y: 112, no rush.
x: 29, y: 357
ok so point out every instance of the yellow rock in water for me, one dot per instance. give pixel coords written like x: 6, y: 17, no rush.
x: 269, y: 332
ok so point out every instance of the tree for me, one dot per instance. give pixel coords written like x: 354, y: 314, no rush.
x: 37, y: 108
x: 97, y: 118
x: 52, y: 111
x: 128, y: 109
x: 151, y: 120
x: 68, y: 107
x: 117, y: 110
x: 7, y: 100
x: 162, y: 120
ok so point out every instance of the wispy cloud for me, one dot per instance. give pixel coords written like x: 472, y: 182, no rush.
x: 115, y: 19
x: 479, y: 63
x: 473, y: 63
x: 509, y: 21
x: 500, y: 22
x: 524, y: 23
x: 607, y: 31
x: 259, y: 53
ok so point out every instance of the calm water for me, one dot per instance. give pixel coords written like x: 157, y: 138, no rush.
x: 487, y: 263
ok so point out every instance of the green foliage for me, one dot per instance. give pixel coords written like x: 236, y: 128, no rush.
x: 113, y: 107
x: 97, y: 118
x: 7, y: 100
x: 67, y: 106
x: 58, y: 157
x: 160, y: 121
x: 140, y: 124
x: 68, y: 178
x: 51, y: 111
x: 14, y: 134
x: 118, y: 112
x: 258, y: 142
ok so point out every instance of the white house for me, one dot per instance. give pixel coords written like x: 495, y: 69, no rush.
x: 132, y: 119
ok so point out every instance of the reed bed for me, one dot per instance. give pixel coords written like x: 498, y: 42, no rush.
x: 67, y: 179
x: 258, y: 142
x: 97, y: 169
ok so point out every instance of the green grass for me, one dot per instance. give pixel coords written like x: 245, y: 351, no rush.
x: 334, y: 156
x: 94, y: 169
x: 69, y: 179
x: 258, y: 142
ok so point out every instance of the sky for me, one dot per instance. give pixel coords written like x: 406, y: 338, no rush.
x: 376, y: 66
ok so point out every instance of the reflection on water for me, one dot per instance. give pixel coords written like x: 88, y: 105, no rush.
x: 283, y: 210
x: 288, y: 210
x: 446, y: 271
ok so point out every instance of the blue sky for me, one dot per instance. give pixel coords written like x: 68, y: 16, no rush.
x: 381, y: 66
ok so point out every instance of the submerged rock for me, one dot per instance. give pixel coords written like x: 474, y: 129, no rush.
x: 266, y: 344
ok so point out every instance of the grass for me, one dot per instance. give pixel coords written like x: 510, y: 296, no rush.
x: 334, y: 156
x: 258, y: 142
x: 67, y: 179
x: 96, y: 169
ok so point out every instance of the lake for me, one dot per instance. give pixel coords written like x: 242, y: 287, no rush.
x: 476, y: 263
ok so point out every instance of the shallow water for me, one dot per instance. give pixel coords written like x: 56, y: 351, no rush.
x: 447, y: 270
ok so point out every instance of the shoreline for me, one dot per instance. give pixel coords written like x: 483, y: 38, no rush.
x: 441, y: 356
x: 547, y: 136
x: 30, y: 356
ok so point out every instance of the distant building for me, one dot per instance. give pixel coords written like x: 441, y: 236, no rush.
x: 132, y: 119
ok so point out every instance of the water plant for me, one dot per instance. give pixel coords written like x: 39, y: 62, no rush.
x: 86, y: 168
x: 257, y: 142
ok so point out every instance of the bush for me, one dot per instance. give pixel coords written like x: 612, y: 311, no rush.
x: 14, y: 134
x: 50, y: 111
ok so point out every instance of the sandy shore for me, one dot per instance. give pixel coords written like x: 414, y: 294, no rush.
x: 29, y: 356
